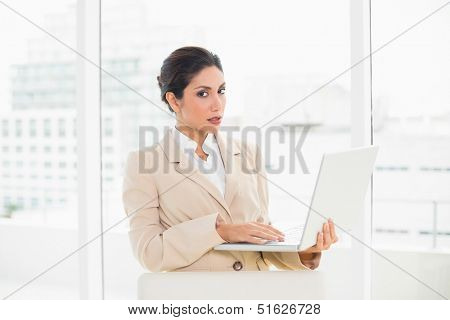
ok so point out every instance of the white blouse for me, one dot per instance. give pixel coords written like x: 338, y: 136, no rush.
x: 212, y: 167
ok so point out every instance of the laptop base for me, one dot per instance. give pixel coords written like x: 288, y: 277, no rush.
x: 268, y: 247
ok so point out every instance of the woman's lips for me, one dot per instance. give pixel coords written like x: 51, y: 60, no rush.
x: 215, y: 120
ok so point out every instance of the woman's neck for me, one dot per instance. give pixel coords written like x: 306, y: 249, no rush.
x: 196, y: 135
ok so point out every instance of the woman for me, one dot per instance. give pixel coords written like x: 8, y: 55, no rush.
x: 189, y: 192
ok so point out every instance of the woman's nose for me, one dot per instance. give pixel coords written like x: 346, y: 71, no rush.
x: 217, y: 103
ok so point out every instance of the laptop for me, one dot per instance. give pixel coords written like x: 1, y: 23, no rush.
x: 339, y: 193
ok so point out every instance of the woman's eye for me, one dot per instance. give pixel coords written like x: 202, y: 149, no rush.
x: 205, y: 94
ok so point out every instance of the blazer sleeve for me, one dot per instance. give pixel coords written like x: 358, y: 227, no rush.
x: 158, y: 248
x: 281, y: 260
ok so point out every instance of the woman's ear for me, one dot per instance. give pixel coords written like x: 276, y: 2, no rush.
x: 173, y: 101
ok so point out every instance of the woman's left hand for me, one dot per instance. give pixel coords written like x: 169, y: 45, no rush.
x: 311, y: 256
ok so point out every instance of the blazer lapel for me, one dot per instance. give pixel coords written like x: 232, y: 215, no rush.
x: 228, y: 151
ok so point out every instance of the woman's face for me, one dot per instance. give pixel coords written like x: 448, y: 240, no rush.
x: 203, y: 99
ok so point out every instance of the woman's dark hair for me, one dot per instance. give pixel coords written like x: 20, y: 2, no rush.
x: 181, y: 66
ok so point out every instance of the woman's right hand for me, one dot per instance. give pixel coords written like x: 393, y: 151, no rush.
x: 251, y: 232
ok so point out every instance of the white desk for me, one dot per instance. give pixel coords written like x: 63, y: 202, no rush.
x: 334, y: 279
x: 243, y: 285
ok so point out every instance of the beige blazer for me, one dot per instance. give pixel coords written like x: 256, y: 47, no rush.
x: 172, y: 208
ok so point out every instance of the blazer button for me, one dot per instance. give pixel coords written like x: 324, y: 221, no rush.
x: 237, y: 265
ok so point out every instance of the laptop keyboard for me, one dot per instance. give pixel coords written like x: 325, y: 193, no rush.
x: 291, y: 234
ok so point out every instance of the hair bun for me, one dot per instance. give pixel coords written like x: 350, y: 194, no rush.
x: 160, y: 84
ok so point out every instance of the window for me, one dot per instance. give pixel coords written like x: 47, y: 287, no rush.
x: 411, y: 125
x: 32, y: 127
x: 7, y: 200
x: 108, y: 127
x: 108, y: 149
x: 61, y: 128
x: 5, y: 128
x: 36, y: 102
x: 18, y: 128
x: 47, y: 128
x: 109, y: 165
x: 270, y: 68
x: 20, y: 202
x: 34, y: 203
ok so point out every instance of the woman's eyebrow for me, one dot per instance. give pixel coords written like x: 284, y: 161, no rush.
x: 206, y: 87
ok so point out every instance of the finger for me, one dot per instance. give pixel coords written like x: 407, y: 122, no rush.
x: 271, y: 228
x: 318, y: 247
x: 268, y: 229
x: 326, y: 236
x: 319, y: 243
x: 256, y: 240
x: 268, y: 226
x: 262, y: 234
x: 332, y: 231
